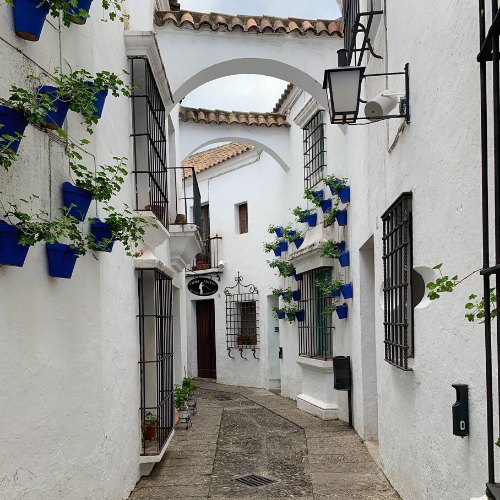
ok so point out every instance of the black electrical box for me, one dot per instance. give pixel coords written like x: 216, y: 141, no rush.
x: 460, y: 411
x: 281, y: 352
x: 342, y: 373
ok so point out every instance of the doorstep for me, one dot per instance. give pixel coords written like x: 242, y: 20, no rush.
x: 324, y: 411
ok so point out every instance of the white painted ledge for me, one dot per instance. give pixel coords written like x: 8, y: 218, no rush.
x: 149, y: 261
x: 319, y: 365
x: 212, y: 270
x: 317, y: 408
x: 155, y: 236
x: 153, y: 459
x: 185, y: 244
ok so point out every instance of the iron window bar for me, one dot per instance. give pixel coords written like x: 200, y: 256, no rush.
x: 316, y: 331
x: 398, y: 264
x: 208, y: 258
x: 314, y: 150
x: 242, y: 317
x: 156, y: 342
x: 149, y: 141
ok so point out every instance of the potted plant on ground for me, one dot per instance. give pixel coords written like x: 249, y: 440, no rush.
x: 279, y: 312
x: 180, y: 398
x: 189, y: 385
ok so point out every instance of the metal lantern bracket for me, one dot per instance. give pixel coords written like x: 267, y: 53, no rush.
x: 359, y: 27
x: 406, y: 113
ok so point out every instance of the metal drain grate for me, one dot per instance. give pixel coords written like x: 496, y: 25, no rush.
x: 255, y: 480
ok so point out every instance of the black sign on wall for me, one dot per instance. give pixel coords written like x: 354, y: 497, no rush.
x: 203, y: 287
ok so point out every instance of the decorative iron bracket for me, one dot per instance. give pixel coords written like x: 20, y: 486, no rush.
x: 359, y: 27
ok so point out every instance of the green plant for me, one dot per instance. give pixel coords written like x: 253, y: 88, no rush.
x: 328, y: 286
x: 477, y: 307
x: 7, y: 155
x: 288, y: 295
x: 291, y: 313
x: 277, y: 291
x: 272, y: 228
x: 189, y: 385
x: 331, y: 214
x: 301, y: 215
x: 290, y: 238
x: 269, y: 247
x: 286, y: 269
x: 309, y: 195
x: 278, y: 310
x: 150, y: 418
x: 334, y: 182
x: 181, y: 396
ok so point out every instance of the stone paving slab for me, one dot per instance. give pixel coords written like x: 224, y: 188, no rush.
x: 239, y: 431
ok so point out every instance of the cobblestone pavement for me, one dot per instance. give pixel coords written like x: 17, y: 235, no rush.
x: 242, y: 431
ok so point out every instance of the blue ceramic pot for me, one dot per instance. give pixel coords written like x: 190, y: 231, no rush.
x: 291, y: 316
x: 55, y: 119
x: 11, y: 252
x: 29, y: 17
x: 279, y: 232
x: 62, y: 260
x: 344, y: 259
x: 345, y: 194
x: 101, y: 232
x: 281, y: 315
x: 341, y: 311
x: 81, y: 198
x: 326, y: 205
x: 283, y: 246
x: 296, y: 295
x: 346, y: 291
x: 13, y: 123
x: 298, y: 277
x: 341, y: 245
x: 342, y: 217
x: 300, y: 316
x: 292, y: 233
x: 298, y: 242
x: 100, y: 99
x: 277, y: 252
x: 74, y: 12
x: 318, y: 194
x: 312, y: 219
x: 336, y: 293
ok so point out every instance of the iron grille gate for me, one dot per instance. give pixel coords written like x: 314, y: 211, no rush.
x: 242, y: 317
x: 397, y: 258
x: 350, y: 15
x: 489, y: 51
x: 316, y: 331
x: 150, y: 141
x: 156, y: 342
x: 314, y: 150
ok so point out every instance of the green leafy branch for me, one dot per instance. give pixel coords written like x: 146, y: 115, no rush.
x: 330, y: 249
x: 301, y: 215
x: 334, y: 182
x: 315, y: 200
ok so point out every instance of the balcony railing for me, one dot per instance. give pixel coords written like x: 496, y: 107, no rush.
x: 184, y: 212
x: 209, y: 256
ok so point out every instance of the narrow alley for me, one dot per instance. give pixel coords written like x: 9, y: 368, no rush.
x: 238, y: 432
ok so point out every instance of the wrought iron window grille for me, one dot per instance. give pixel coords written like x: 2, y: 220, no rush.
x: 208, y: 258
x: 149, y: 141
x: 156, y: 342
x: 316, y: 331
x: 398, y: 265
x: 242, y: 317
x: 314, y: 150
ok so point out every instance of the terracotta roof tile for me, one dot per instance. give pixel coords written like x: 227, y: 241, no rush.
x: 251, y: 24
x: 232, y: 117
x: 285, y: 94
x: 212, y: 157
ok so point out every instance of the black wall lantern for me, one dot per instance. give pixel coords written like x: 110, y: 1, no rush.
x: 343, y: 90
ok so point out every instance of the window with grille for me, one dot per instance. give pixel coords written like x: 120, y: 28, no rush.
x: 350, y: 14
x: 398, y: 265
x: 243, y: 218
x: 314, y: 150
x: 316, y: 331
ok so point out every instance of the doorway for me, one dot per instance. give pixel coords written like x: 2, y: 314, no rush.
x: 205, y: 327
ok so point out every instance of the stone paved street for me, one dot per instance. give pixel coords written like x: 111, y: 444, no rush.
x: 241, y: 431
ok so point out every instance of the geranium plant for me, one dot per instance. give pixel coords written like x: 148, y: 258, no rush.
x: 269, y: 247
x: 278, y: 310
x: 328, y: 286
x: 334, y: 182
x: 330, y: 249
x: 331, y: 214
x: 291, y: 313
x: 310, y: 195
x: 286, y: 269
x: 301, y: 215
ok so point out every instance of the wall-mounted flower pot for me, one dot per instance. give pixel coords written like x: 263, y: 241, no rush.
x: 333, y: 188
x: 341, y: 245
x: 101, y: 232
x: 13, y: 123
x: 318, y: 194
x: 345, y: 194
x: 75, y: 11
x: 298, y: 277
x: 292, y: 233
x: 291, y: 316
x: 342, y: 217
x: 346, y: 291
x: 100, y: 96
x: 55, y: 119
x: 81, y: 198
x: 62, y: 260
x: 283, y: 246
x: 296, y: 295
x: 344, y: 258
x: 281, y: 315
x: 298, y: 242
x: 300, y: 316
x: 341, y: 311
x: 326, y: 205
x: 284, y: 295
x: 277, y: 252
x: 29, y: 16
x: 279, y: 232
x: 312, y: 219
x: 11, y: 253
x: 336, y: 293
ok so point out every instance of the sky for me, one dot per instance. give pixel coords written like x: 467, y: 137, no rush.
x: 251, y: 92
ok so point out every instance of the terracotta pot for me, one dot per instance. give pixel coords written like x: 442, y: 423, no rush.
x: 150, y: 432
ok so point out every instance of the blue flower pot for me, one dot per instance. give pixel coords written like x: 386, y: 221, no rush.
x: 346, y: 290
x: 285, y: 298
x: 277, y: 252
x: 75, y: 11
x: 333, y: 188
x: 283, y: 246
x: 312, y: 219
x: 81, y: 198
x: 298, y: 277
x: 291, y: 316
x: 345, y: 194
x: 292, y: 233
x: 326, y: 205
x: 296, y: 295
x: 279, y: 232
x: 100, y: 98
x: 101, y: 232
x: 55, y: 119
x: 11, y: 252
x: 281, y: 315
x: 300, y: 316
x: 341, y: 245
x: 344, y: 258
x: 62, y: 260
x: 342, y: 217
x: 13, y: 123
x: 29, y: 17
x: 298, y: 242
x: 336, y: 293
x: 341, y: 311
x: 318, y: 194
